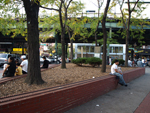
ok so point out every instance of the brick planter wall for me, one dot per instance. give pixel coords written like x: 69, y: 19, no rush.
x: 62, y: 98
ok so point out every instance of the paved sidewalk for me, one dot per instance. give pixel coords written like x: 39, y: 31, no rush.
x: 122, y: 100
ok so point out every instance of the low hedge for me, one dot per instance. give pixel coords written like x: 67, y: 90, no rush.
x: 92, y: 61
x: 79, y: 61
x: 121, y: 61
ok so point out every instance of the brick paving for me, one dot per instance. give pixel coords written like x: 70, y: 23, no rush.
x: 144, y: 107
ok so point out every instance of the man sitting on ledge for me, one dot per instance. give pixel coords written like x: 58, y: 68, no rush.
x: 114, y: 71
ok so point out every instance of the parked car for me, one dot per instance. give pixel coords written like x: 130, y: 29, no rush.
x: 51, y: 58
x: 4, y: 58
x: 41, y: 60
x: 148, y: 62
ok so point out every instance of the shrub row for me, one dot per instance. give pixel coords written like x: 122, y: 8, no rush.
x: 92, y: 61
x: 121, y: 61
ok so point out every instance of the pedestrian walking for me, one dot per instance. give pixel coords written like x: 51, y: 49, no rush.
x: 139, y: 63
x: 143, y: 62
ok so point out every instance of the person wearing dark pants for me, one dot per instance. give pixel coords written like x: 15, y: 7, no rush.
x: 24, y: 64
x: 10, y: 69
x: 115, y: 71
x: 45, y: 63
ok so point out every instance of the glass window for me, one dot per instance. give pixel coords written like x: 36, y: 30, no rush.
x: 84, y: 48
x: 110, y: 50
x: 88, y: 55
x: 87, y: 48
x: 102, y: 49
x: 79, y: 49
x: 116, y: 49
x: 120, y: 56
x: 120, y: 50
x: 113, y: 49
x: 92, y: 49
x: 78, y: 55
x: 3, y: 55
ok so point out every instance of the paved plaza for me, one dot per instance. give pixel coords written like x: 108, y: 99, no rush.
x: 121, y: 100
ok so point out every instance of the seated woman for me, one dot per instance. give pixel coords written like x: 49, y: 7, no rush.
x: 11, y: 68
x: 18, y: 70
x: 45, y: 63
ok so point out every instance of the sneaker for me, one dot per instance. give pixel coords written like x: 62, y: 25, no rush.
x: 121, y: 84
x: 126, y: 85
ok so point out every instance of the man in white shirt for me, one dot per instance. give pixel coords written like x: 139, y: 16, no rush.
x: 24, y: 64
x: 129, y: 63
x: 114, y: 71
x: 109, y: 60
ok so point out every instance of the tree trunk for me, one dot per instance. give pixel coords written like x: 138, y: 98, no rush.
x: 96, y: 37
x: 66, y: 50
x: 127, y: 40
x: 71, y: 42
x: 104, y: 47
x: 127, y: 43
x: 34, y: 72
x: 63, y: 64
x: 104, y: 37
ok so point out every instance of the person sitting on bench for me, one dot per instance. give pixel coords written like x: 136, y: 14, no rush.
x: 24, y: 64
x: 45, y: 63
x: 10, y: 68
x: 115, y: 71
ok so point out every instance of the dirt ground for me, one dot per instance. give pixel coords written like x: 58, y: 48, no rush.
x: 55, y: 77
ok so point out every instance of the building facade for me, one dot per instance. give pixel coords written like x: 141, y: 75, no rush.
x: 116, y: 50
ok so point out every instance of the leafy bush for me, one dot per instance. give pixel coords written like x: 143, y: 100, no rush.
x: 121, y: 61
x: 80, y: 61
x: 92, y: 61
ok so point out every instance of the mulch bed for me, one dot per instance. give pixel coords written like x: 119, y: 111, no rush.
x: 55, y: 77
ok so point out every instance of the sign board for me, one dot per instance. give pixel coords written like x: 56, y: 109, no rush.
x: 90, y: 11
x: 19, y: 49
x: 97, y: 51
x: 5, y: 42
x: 43, y: 44
x: 143, y: 51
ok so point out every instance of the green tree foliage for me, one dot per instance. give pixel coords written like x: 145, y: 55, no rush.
x: 63, y: 8
x: 125, y: 20
x: 13, y: 21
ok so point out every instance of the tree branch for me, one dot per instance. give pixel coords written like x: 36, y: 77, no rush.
x: 69, y: 4
x: 106, y: 9
x: 122, y: 13
x: 134, y: 5
x: 27, y: 5
x: 129, y: 6
x: 49, y: 8
x: 60, y: 16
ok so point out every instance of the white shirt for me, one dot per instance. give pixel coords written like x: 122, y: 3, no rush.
x: 109, y: 61
x: 4, y: 66
x: 24, y: 65
x: 129, y: 63
x: 113, y: 67
x: 143, y: 60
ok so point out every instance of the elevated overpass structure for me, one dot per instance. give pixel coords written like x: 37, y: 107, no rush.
x: 20, y: 41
